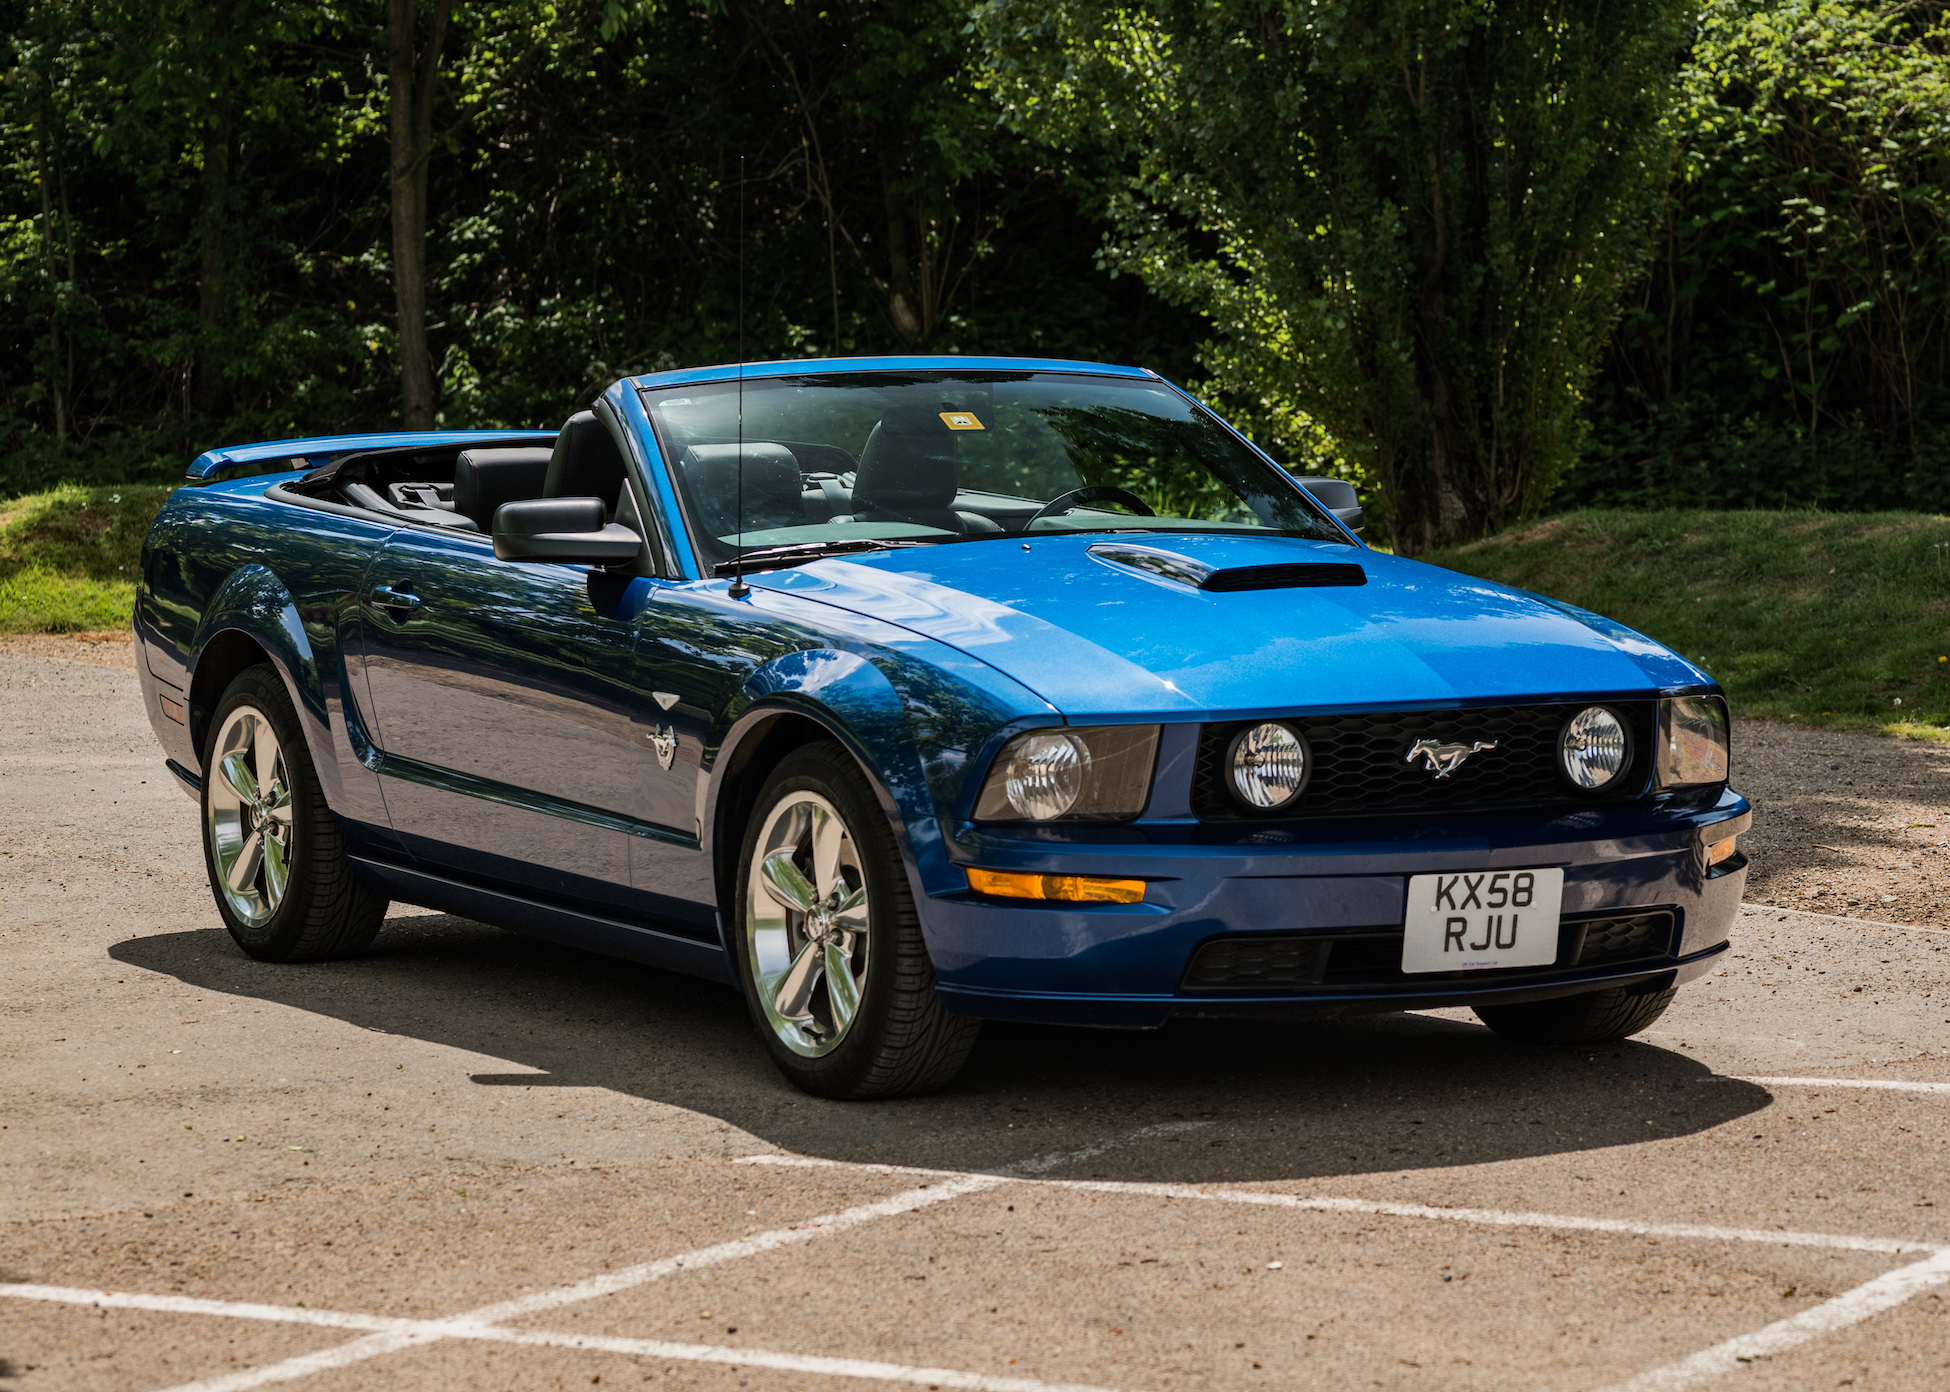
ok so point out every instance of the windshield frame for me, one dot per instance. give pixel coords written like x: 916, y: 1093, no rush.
x: 904, y: 372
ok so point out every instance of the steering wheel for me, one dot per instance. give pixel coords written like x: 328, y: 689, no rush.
x: 1094, y: 493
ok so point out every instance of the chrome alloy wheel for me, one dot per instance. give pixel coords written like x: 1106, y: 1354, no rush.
x: 806, y: 924
x: 249, y: 812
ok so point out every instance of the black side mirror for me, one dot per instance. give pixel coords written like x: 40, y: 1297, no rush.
x: 1338, y: 497
x: 569, y: 530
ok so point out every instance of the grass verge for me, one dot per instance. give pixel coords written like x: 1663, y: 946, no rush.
x: 1824, y: 618
x: 68, y: 556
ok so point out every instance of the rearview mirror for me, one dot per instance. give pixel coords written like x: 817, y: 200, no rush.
x: 568, y: 530
x: 1338, y: 497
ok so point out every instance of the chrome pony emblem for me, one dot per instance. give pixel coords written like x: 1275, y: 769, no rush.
x: 1445, y: 759
x: 664, y: 741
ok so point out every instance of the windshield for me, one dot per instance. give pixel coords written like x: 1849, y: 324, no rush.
x: 912, y: 458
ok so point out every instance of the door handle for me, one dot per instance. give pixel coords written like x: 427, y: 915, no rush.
x: 401, y: 602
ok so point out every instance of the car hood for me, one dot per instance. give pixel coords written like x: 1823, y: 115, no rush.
x: 1095, y: 635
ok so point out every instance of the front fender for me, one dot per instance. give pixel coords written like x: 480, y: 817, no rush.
x: 851, y: 699
x: 909, y: 723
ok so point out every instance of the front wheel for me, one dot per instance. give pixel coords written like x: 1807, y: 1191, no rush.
x: 1595, y: 1017
x: 828, y: 943
x: 275, y: 854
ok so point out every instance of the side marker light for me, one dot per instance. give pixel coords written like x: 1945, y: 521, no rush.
x: 1075, y: 889
x: 173, y: 709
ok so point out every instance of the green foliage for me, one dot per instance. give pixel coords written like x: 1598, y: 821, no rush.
x: 1826, y: 618
x: 1791, y: 343
x: 68, y: 557
x: 212, y: 262
x: 1410, y: 220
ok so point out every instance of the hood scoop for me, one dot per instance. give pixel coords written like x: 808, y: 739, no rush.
x: 1160, y: 564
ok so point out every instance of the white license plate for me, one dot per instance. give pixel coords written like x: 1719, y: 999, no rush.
x: 1477, y: 920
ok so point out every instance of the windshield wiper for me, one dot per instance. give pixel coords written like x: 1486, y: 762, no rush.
x: 772, y: 557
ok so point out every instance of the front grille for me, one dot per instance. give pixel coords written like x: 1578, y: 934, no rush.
x: 1360, y: 762
x: 1369, y: 959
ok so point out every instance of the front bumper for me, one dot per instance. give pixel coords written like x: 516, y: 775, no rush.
x: 1126, y: 965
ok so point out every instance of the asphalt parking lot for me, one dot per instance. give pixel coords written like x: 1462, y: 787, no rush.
x: 473, y: 1161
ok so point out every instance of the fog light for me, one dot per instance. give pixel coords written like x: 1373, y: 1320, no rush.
x: 1075, y: 889
x: 1593, y: 748
x: 1268, y: 763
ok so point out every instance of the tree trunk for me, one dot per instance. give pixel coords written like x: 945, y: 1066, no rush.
x: 900, y: 272
x: 211, y: 304
x: 54, y: 335
x: 413, y: 71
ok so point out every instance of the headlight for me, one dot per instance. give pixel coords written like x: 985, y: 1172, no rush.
x: 1593, y: 748
x: 1692, y: 741
x: 1102, y: 772
x: 1268, y: 765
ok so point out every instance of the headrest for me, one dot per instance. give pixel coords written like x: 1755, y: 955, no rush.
x: 908, y: 463
x: 586, y: 462
x: 484, y: 479
x: 772, y: 486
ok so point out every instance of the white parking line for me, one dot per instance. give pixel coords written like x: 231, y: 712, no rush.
x: 1851, y: 1307
x: 398, y: 1334
x: 1842, y: 918
x: 479, y: 1324
x: 474, y: 1321
x: 1488, y: 1216
x: 1875, y: 1083
x: 390, y: 1334
x: 790, y: 1362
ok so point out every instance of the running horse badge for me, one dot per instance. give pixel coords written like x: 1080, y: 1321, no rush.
x: 1445, y: 759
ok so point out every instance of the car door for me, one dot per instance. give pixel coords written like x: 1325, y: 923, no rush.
x: 501, y: 697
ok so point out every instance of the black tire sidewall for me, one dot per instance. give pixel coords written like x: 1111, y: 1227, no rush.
x: 277, y: 938
x: 829, y: 771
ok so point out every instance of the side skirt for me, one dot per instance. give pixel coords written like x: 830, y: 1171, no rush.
x: 571, y: 927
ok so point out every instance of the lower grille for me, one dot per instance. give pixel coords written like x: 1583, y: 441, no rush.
x: 1375, y: 958
x: 1624, y: 939
x: 1360, y: 762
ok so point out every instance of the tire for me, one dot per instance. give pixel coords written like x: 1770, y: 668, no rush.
x: 817, y: 837
x: 1595, y: 1017
x: 272, y: 848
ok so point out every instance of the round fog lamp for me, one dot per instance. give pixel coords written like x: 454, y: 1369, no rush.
x: 1268, y: 765
x: 1044, y: 774
x: 1593, y: 748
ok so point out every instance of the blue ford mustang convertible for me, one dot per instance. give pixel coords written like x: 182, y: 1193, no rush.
x: 904, y: 693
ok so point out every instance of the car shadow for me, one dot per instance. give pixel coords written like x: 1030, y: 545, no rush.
x: 1280, y: 1100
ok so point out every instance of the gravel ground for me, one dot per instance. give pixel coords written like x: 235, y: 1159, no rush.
x: 94, y: 651
x: 1846, y: 823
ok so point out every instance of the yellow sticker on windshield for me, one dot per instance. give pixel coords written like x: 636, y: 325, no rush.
x: 960, y: 420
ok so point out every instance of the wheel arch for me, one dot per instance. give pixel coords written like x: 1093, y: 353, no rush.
x: 808, y: 697
x: 252, y: 619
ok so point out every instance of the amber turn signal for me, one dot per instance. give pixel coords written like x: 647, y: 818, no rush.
x: 1075, y: 889
x: 1720, y: 850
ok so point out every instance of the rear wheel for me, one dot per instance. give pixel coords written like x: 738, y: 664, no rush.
x: 275, y: 854
x: 828, y: 942
x: 1595, y: 1017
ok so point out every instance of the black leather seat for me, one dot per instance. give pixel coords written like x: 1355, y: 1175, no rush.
x: 585, y: 462
x: 774, y: 492
x: 484, y: 479
x: 908, y: 473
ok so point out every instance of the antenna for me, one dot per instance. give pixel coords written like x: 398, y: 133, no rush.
x: 739, y: 589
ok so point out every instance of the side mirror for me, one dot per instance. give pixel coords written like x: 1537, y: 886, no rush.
x: 1338, y: 497
x: 569, y: 530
